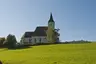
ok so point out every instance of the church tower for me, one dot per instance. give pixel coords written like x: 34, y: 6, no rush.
x: 51, y: 23
x: 51, y: 29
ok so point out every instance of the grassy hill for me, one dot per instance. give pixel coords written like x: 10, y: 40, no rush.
x: 51, y: 54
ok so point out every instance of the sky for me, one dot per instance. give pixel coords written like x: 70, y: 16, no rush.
x: 76, y: 19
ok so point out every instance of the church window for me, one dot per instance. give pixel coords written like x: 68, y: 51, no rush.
x: 34, y: 39
x: 40, y: 40
x: 30, y: 40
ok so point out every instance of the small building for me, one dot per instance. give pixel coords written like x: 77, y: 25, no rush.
x: 42, y: 34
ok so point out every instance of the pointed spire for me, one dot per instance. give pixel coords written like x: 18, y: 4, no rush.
x: 51, y: 18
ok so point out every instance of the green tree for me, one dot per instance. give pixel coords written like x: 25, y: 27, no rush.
x: 52, y: 35
x: 1, y: 41
x: 57, y: 34
x: 11, y: 41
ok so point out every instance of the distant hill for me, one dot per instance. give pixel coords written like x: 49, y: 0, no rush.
x: 77, y: 42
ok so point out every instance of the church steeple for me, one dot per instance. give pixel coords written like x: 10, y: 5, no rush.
x: 51, y: 29
x: 51, y: 23
x: 51, y: 18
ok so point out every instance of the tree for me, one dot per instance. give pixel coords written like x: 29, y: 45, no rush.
x: 57, y: 34
x: 53, y: 35
x: 11, y: 41
x: 1, y: 41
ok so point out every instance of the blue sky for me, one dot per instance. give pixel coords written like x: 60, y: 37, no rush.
x: 75, y: 18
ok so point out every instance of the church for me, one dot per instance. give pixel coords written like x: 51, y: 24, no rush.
x: 42, y: 34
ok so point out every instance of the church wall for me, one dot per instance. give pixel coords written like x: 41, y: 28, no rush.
x: 25, y: 41
x: 34, y: 40
x: 39, y: 39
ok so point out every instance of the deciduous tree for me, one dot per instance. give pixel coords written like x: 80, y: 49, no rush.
x: 11, y: 41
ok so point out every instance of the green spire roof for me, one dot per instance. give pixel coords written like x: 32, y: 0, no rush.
x: 51, y: 18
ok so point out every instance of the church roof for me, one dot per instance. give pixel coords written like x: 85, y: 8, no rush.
x: 28, y: 34
x: 40, y: 31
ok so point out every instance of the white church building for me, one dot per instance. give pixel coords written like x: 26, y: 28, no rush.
x: 40, y: 34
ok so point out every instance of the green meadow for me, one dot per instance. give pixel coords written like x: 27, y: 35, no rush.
x: 51, y: 54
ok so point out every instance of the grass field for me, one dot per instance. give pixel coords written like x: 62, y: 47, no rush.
x: 51, y: 54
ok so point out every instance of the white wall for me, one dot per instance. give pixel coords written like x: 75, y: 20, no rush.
x: 25, y: 41
x: 43, y: 39
x: 32, y: 39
